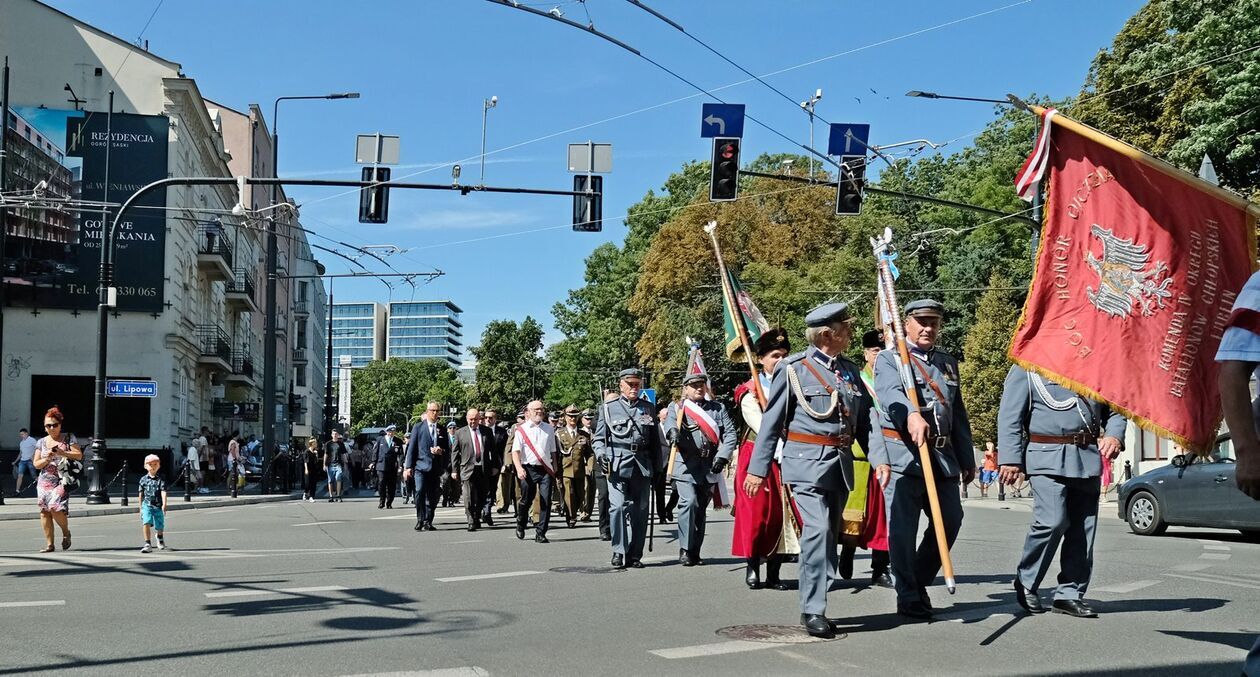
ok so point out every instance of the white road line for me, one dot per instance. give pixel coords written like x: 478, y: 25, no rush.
x: 699, y: 650
x: 1125, y: 588
x: 268, y: 507
x: 218, y: 511
x: 1208, y: 578
x: 315, y: 524
x: 201, y: 531
x: 44, y: 602
x: 1219, y: 556
x: 482, y: 577
x: 277, y: 591
x: 459, y: 542
x: 395, y: 517
x: 1213, y: 546
x: 1192, y: 566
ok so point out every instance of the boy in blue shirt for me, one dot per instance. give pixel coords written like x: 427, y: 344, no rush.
x: 153, y: 503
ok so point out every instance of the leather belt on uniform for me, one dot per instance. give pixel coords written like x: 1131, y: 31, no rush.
x: 933, y: 442
x: 841, y: 441
x: 1081, y: 438
x: 632, y: 448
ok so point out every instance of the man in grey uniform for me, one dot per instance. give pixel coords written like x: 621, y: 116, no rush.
x: 705, y: 446
x: 818, y: 406
x: 1059, y: 439
x: 942, y: 425
x: 627, y: 443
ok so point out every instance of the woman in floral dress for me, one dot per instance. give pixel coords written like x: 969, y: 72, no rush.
x: 53, y: 499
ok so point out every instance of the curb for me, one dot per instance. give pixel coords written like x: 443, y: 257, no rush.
x: 171, y: 506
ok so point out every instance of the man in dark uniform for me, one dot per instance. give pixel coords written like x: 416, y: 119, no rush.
x: 943, y: 426
x: 705, y: 442
x: 597, y: 488
x: 1059, y: 440
x: 627, y: 443
x: 385, y: 464
x: 818, y: 407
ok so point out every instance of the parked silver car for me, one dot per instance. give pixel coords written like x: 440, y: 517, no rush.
x: 1195, y: 491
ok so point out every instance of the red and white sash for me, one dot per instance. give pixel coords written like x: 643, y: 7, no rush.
x: 702, y: 419
x: 534, y: 450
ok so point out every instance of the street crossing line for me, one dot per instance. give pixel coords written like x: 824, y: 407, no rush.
x: 395, y: 517
x: 716, y: 649
x: 218, y: 511
x: 1192, y: 566
x: 482, y: 577
x: 1212, y: 578
x: 1219, y: 556
x: 478, y: 540
x: 277, y: 591
x: 465, y: 671
x: 1215, y: 546
x: 201, y: 531
x: 1125, y: 588
x: 315, y: 524
x: 44, y: 602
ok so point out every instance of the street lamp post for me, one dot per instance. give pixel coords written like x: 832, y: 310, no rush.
x: 1010, y: 101
x: 486, y: 105
x: 808, y: 107
x: 269, y: 320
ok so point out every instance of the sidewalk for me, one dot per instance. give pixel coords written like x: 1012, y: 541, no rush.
x: 24, y: 508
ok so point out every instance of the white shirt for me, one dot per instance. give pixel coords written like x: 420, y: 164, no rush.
x: 543, y: 438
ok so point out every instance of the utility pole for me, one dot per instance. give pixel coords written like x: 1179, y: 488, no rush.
x: 4, y: 211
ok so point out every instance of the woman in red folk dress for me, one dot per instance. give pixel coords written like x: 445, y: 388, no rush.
x: 764, y: 529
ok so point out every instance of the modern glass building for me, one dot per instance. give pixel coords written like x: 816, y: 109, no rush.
x: 425, y: 330
x: 358, y: 330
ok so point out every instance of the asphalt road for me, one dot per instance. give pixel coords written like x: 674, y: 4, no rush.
x: 335, y: 589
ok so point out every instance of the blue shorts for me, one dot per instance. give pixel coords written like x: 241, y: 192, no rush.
x: 334, y: 473
x: 988, y: 476
x: 153, y: 516
x: 26, y: 468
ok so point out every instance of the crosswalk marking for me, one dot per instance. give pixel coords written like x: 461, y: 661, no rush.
x: 315, y: 524
x: 1125, y: 588
x: 716, y: 649
x: 44, y: 602
x: 480, y: 577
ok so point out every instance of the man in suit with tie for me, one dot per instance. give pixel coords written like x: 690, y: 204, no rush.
x: 427, y: 451
x: 1059, y: 440
x: 473, y: 463
x: 498, y: 443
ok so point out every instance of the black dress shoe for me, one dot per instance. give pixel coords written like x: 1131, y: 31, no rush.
x: 684, y: 559
x: 571, y: 524
x: 489, y: 522
x: 927, y: 601
x: 419, y: 526
x: 881, y: 580
x: 914, y: 610
x: 471, y: 528
x: 694, y: 559
x: 1028, y: 599
x: 520, y: 533
x: 817, y: 625
x: 636, y: 564
x: 618, y: 561
x: 541, y: 539
x: 428, y: 526
x: 605, y: 537
x: 1074, y: 607
x: 752, y: 576
x: 380, y: 506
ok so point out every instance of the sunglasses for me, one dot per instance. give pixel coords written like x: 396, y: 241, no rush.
x: 49, y: 426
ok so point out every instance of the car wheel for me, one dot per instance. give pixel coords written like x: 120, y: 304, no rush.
x: 1144, y: 516
x: 1252, y: 535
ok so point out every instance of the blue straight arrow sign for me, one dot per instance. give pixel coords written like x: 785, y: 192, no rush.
x: 848, y: 139
x: 721, y: 119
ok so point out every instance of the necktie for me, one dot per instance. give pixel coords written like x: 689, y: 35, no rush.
x: 476, y: 435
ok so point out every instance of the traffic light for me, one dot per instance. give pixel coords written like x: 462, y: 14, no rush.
x: 724, y: 182
x: 374, y: 200
x: 852, y: 182
x: 588, y: 210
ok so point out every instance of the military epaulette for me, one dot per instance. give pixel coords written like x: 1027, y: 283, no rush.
x: 794, y: 358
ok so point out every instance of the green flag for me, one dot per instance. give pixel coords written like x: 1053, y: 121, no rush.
x: 754, y: 322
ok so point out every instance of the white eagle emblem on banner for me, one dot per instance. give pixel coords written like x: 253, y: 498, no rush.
x: 1124, y: 279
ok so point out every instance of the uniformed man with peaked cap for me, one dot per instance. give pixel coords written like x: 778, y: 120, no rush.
x: 627, y: 443
x: 818, y: 407
x: 942, y: 425
x: 575, y: 448
x: 705, y: 445
x: 1060, y: 440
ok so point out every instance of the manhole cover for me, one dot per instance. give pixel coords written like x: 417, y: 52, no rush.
x: 584, y: 570
x: 775, y: 634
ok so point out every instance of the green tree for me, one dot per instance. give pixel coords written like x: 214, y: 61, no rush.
x: 984, y: 370
x: 510, y: 370
x: 388, y: 390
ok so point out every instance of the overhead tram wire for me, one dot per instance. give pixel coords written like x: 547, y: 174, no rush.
x: 663, y: 104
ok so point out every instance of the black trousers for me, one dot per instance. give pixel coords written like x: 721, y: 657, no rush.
x: 387, y: 481
x: 601, y: 491
x: 473, y: 495
x: 536, y: 481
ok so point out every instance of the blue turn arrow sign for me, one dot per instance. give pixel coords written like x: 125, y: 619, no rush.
x: 848, y: 139
x: 721, y: 119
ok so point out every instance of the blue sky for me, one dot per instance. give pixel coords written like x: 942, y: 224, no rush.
x: 424, y: 67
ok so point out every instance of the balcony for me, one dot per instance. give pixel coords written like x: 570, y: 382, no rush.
x: 242, y: 368
x: 301, y: 309
x: 299, y: 356
x: 214, y: 254
x: 239, y: 293
x: 216, y: 348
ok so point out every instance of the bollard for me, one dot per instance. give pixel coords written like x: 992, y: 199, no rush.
x: 232, y: 478
x: 187, y: 486
x: 1, y: 495
x: 123, y: 500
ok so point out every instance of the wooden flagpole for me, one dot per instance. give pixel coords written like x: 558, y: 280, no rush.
x: 737, y: 317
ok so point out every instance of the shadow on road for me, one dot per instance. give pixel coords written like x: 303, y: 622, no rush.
x: 1238, y: 640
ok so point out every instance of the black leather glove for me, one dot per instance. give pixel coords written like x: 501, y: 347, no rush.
x: 670, y: 437
x: 719, y: 464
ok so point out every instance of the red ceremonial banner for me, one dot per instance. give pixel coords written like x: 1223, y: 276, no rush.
x: 1138, y: 267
